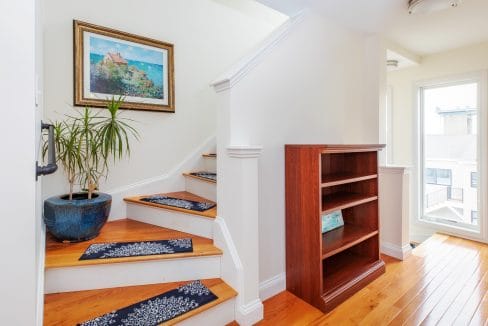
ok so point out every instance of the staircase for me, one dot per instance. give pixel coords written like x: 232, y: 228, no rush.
x: 80, y: 290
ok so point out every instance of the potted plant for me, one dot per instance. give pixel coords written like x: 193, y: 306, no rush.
x: 86, y: 144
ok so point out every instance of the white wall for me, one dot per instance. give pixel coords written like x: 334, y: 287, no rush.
x: 307, y: 90
x: 209, y: 36
x: 18, y: 234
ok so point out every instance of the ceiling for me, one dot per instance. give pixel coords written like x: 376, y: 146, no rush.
x: 441, y: 31
x: 421, y: 34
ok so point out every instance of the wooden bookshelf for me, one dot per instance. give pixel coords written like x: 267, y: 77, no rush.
x: 325, y: 269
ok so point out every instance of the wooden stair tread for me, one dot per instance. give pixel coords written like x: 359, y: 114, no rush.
x: 126, y: 230
x: 211, y: 213
x: 189, y: 175
x: 71, y: 308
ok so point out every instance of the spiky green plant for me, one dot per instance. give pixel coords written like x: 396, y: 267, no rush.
x: 88, y: 143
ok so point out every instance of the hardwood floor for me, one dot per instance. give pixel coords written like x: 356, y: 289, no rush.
x: 71, y: 308
x: 444, y: 282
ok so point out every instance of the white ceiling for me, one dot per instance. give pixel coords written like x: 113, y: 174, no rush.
x: 444, y: 30
x: 421, y: 34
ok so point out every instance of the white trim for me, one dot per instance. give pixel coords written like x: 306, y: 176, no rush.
x: 80, y: 278
x: 163, y: 183
x: 233, y: 274
x: 272, y: 286
x: 389, y: 126
x: 221, y: 314
x: 229, y: 242
x: 201, y: 188
x: 40, y: 275
x: 480, y: 77
x: 171, y: 219
x: 232, y: 269
x: 394, y: 169
x: 244, y: 151
x: 395, y: 251
x: 246, y: 64
x: 250, y: 313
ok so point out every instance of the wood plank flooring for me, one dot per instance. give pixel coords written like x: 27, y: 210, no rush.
x: 71, y: 308
x: 444, y: 282
x: 126, y: 230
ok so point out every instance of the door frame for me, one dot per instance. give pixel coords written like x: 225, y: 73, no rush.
x: 417, y: 195
x: 20, y: 234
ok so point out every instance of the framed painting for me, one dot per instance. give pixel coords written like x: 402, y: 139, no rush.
x: 111, y: 63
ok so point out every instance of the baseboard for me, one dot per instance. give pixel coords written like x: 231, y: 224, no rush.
x: 249, y: 314
x: 272, y: 286
x: 221, y: 314
x: 171, y: 181
x: 395, y: 251
x: 232, y: 274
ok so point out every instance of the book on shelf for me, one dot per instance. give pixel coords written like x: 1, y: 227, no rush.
x: 332, y: 221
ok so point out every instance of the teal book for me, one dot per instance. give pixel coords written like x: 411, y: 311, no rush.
x: 332, y: 221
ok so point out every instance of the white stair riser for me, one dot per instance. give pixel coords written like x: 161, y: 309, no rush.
x: 210, y: 164
x: 220, y: 315
x: 67, y: 279
x: 201, y: 188
x: 194, y: 224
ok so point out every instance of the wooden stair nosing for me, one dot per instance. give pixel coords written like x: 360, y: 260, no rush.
x: 60, y: 255
x: 71, y: 308
x: 189, y: 175
x: 210, y: 213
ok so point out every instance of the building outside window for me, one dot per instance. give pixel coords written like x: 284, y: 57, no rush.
x: 474, y: 179
x: 438, y: 176
x: 474, y: 217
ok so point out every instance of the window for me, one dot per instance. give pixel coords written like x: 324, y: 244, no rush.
x: 441, y: 177
x: 474, y: 179
x: 474, y: 217
x: 448, y: 144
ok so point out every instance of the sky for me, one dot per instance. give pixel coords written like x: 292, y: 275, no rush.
x: 136, y: 53
x: 464, y: 95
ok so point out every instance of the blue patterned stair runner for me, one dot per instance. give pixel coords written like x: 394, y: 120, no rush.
x: 139, y: 248
x: 205, y: 175
x: 180, y: 203
x: 158, y: 309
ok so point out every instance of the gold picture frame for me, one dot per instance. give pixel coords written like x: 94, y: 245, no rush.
x: 108, y: 63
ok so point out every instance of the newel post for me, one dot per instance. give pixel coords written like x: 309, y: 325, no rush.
x: 238, y: 207
x: 240, y: 201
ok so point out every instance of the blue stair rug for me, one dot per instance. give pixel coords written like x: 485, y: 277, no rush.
x: 140, y: 248
x: 158, y: 309
x: 205, y: 175
x: 180, y: 203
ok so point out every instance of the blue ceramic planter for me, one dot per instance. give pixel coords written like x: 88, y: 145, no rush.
x: 79, y: 219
